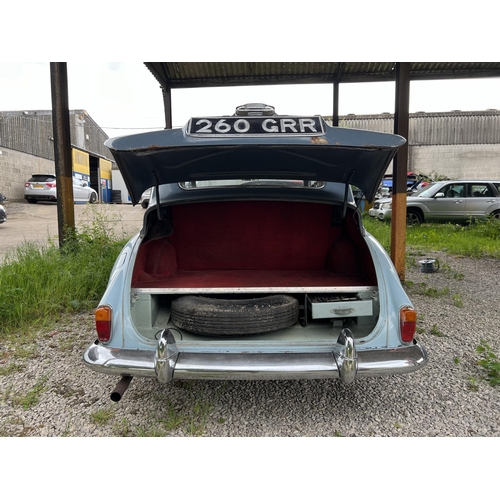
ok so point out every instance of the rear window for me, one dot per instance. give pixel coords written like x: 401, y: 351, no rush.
x: 252, y: 182
x: 42, y: 178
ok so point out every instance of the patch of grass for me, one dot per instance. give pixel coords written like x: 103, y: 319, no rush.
x: 489, y: 361
x: 150, y: 432
x: 122, y: 428
x: 32, y: 397
x: 172, y: 420
x: 41, y: 283
x: 9, y: 369
x: 472, y: 385
x: 479, y: 239
x: 457, y: 300
x: 102, y: 416
x: 424, y: 289
x: 197, y: 420
x: 435, y: 331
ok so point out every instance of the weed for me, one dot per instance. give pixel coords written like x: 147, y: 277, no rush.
x: 153, y: 432
x: 70, y: 280
x: 122, y: 428
x: 197, y: 421
x: 456, y: 360
x: 435, y: 331
x: 102, y: 416
x: 472, y: 385
x: 489, y: 361
x: 10, y: 369
x: 435, y: 292
x: 474, y: 240
x: 66, y: 343
x: 457, y: 300
x: 172, y: 420
x: 24, y: 352
x: 32, y: 397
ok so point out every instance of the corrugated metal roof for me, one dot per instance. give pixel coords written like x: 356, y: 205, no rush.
x: 175, y: 75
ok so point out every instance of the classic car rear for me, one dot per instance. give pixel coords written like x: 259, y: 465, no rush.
x: 253, y: 262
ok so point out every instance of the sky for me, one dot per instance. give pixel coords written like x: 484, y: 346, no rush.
x: 124, y: 98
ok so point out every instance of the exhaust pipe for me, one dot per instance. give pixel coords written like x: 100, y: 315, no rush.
x: 120, y: 388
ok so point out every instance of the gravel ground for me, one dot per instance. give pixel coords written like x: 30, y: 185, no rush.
x: 45, y: 389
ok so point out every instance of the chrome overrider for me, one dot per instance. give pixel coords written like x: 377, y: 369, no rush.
x: 344, y: 361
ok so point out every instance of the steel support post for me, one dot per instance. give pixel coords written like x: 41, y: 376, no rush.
x: 335, y: 115
x: 167, y: 105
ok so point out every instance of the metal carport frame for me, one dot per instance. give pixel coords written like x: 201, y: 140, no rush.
x: 176, y: 75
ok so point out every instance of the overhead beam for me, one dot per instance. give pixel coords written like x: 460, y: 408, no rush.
x: 62, y: 152
x: 400, y: 169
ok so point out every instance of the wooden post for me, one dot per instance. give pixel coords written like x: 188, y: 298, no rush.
x: 400, y: 169
x: 62, y: 151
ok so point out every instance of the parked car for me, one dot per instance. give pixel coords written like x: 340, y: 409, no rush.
x: 253, y: 262
x: 452, y: 200
x: 42, y: 187
x: 144, y: 200
x: 3, y: 212
x: 412, y: 180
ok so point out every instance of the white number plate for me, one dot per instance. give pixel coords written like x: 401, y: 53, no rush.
x: 236, y: 126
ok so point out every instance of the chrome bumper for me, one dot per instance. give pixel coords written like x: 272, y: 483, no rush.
x: 167, y: 362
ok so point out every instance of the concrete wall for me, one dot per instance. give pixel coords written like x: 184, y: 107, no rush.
x: 16, y: 168
x: 466, y: 161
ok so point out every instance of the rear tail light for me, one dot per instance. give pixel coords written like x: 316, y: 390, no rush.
x: 408, y: 323
x: 103, y: 323
x: 27, y: 184
x: 50, y: 184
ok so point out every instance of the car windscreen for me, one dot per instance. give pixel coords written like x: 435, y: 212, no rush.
x: 428, y: 191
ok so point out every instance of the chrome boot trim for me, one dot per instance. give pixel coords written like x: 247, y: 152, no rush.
x: 347, y: 358
x: 166, y: 357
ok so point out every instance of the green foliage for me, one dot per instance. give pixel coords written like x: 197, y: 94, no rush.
x: 102, y: 416
x: 32, y: 397
x: 489, y: 361
x: 477, y: 239
x: 435, y: 331
x: 38, y: 284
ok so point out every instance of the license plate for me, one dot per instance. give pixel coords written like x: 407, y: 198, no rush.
x: 38, y: 186
x: 235, y: 126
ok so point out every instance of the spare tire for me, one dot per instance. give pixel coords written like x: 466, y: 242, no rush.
x: 209, y: 316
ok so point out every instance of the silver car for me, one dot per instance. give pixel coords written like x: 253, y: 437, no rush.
x: 253, y: 262
x: 42, y: 187
x: 452, y: 200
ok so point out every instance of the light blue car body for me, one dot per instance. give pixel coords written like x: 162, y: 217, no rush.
x: 162, y: 161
